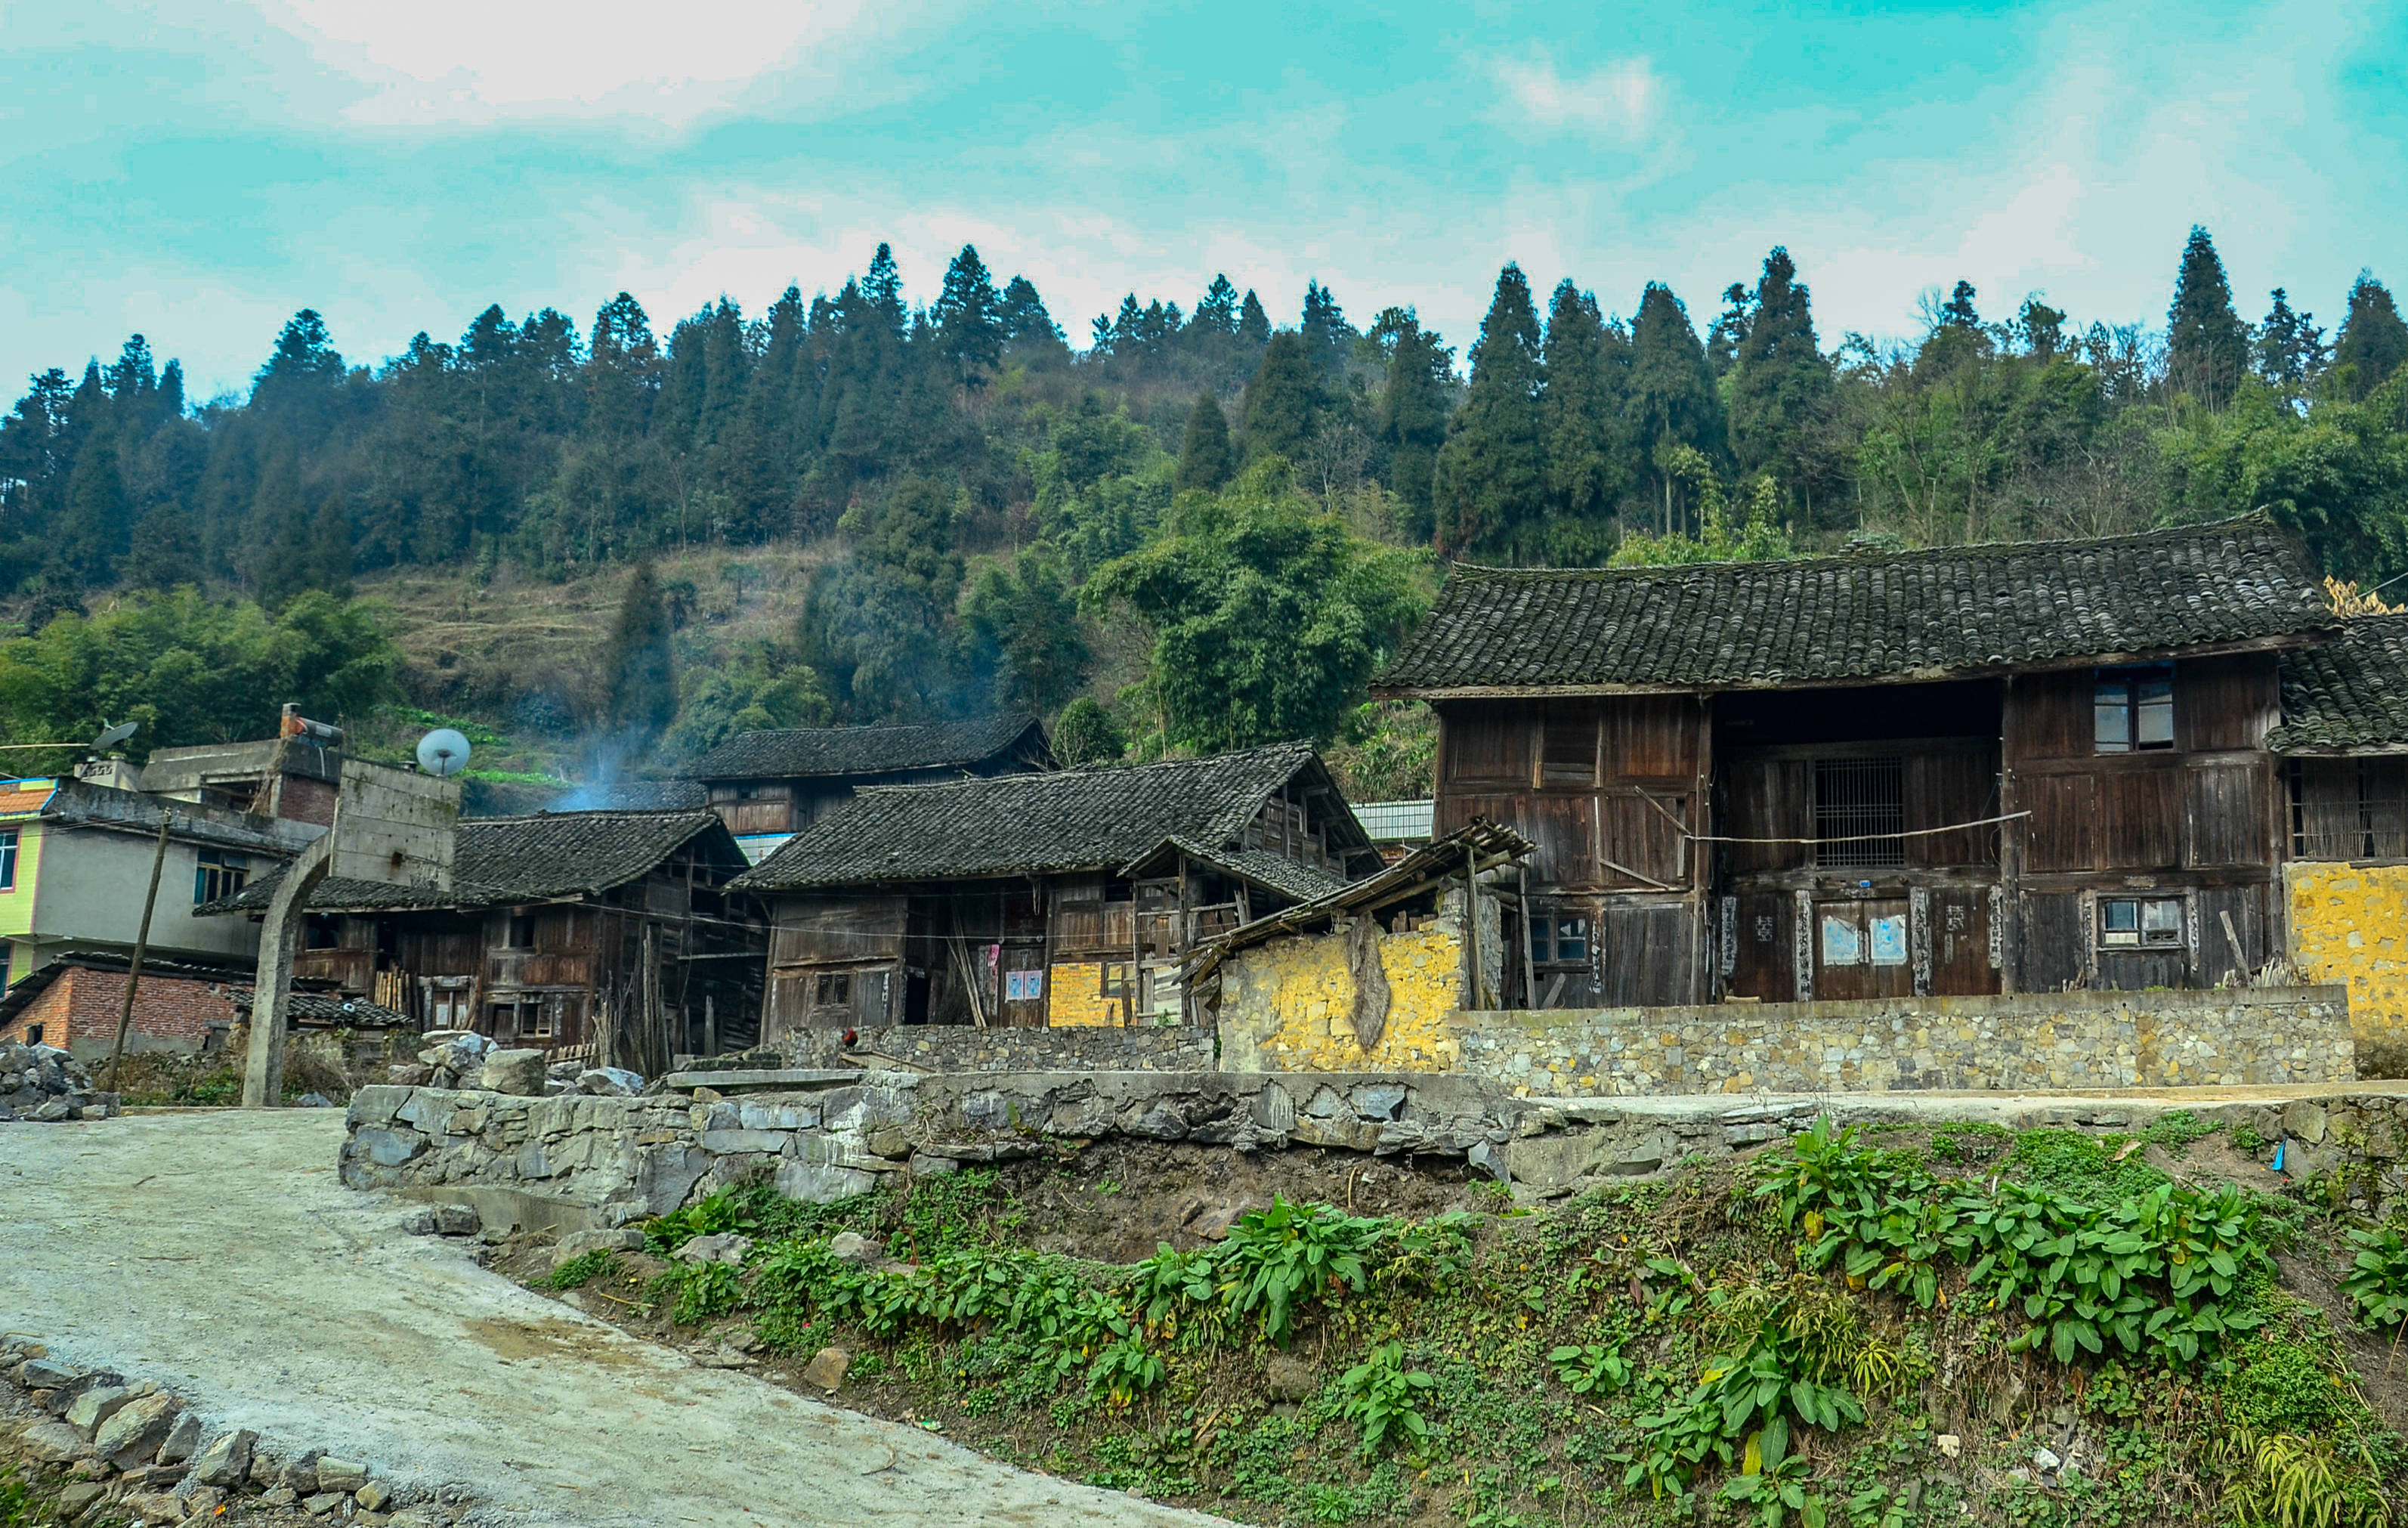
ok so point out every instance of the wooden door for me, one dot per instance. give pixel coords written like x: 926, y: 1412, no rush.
x: 1863, y: 949
x: 1963, y: 954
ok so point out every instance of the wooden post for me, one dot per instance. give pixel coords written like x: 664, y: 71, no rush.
x: 141, y: 946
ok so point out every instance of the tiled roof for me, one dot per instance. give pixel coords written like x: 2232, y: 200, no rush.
x: 799, y: 752
x: 2350, y: 696
x: 505, y: 861
x: 1291, y: 879
x: 326, y: 1008
x: 1862, y: 616
x: 632, y: 796
x: 1015, y: 823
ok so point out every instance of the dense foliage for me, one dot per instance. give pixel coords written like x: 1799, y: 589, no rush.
x: 992, y: 501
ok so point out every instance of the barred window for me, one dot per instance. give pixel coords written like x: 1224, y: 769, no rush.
x: 218, y: 873
x: 1855, y: 798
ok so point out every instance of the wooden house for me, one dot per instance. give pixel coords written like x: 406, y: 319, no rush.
x: 1061, y: 897
x: 613, y: 930
x: 2006, y: 768
x: 2344, y: 743
x: 768, y: 784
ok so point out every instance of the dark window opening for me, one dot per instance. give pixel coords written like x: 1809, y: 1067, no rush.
x: 1558, y: 941
x: 2134, y: 710
x: 2141, y: 923
x: 1859, y: 811
x: 833, y: 990
x: 522, y: 934
x: 320, y: 935
x: 218, y: 873
x: 8, y: 861
x: 33, y: 1034
x: 2349, y: 808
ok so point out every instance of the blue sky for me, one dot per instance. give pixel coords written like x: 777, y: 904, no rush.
x: 197, y: 169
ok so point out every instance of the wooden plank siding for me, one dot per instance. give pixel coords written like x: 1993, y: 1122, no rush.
x: 1608, y: 788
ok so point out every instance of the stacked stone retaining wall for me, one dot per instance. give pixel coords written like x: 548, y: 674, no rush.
x: 956, y: 1048
x: 2035, y: 1041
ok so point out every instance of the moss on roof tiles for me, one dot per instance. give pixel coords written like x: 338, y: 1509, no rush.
x: 796, y: 753
x: 1862, y: 616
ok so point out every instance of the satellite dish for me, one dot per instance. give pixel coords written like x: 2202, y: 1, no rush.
x: 113, y: 736
x: 443, y: 752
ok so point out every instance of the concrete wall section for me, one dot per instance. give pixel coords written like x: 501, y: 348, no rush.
x: 92, y: 887
x: 2349, y: 924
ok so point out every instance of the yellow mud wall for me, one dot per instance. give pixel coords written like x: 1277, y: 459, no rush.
x: 1073, y: 996
x: 2349, y: 925
x: 1288, y: 1005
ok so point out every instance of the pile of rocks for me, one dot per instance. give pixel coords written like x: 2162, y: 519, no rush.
x: 45, y: 1085
x: 465, y: 1061
x: 131, y: 1452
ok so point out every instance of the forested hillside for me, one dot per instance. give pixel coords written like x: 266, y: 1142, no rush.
x: 1203, y: 529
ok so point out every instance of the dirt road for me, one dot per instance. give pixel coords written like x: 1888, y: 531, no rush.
x: 215, y: 1254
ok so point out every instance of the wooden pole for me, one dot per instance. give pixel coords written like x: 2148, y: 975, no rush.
x: 141, y: 946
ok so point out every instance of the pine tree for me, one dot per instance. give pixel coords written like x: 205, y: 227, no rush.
x: 1489, y: 485
x: 884, y: 285
x: 2207, y: 346
x: 2290, y: 347
x: 329, y: 562
x: 967, y: 317
x: 1728, y: 331
x: 1218, y: 313
x: 1673, y: 397
x: 1780, y: 384
x: 1254, y: 325
x: 1584, y: 411
x: 1285, y: 402
x: 638, y: 666
x: 1413, y: 415
x: 1205, y: 459
x: 1328, y: 335
x: 99, y: 522
x: 1028, y: 328
x: 2373, y: 341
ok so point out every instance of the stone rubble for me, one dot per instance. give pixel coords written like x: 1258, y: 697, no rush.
x: 43, y: 1085
x: 123, y: 1452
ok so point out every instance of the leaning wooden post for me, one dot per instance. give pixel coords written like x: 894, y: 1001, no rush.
x: 263, y: 1071
x: 141, y: 945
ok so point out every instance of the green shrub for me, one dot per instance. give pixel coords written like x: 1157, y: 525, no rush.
x: 2377, y: 1282
x: 1380, y: 1396
x: 580, y: 1271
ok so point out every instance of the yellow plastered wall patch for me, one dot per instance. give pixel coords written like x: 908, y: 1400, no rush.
x: 2349, y: 925
x: 1288, y: 1005
x: 1074, y: 998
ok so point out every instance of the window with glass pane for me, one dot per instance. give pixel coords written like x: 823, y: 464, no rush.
x: 2133, y: 709
x: 2140, y: 922
x: 1559, y: 940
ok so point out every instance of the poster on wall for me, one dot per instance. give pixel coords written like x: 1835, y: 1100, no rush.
x: 1889, y: 940
x: 1024, y: 986
x: 1844, y: 943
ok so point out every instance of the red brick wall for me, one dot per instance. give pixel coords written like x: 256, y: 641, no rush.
x: 79, y: 1010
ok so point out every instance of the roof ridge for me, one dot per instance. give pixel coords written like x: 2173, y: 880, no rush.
x: 887, y: 726
x: 1091, y: 771
x: 1865, y: 557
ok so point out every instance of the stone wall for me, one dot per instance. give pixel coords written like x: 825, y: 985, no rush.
x: 2349, y: 924
x: 2052, y: 1041
x: 957, y: 1048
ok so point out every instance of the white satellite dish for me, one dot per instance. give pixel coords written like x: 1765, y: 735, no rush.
x: 443, y: 752
x: 113, y: 736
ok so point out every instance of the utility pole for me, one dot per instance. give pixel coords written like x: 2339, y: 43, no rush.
x: 141, y: 946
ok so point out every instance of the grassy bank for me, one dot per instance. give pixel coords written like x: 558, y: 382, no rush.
x: 1913, y: 1327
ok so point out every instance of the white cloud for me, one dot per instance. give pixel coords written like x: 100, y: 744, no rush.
x: 1620, y: 99
x: 482, y: 60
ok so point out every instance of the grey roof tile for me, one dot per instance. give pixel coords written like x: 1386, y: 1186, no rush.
x: 1017, y: 824
x: 2349, y: 697
x: 1862, y: 616
x: 797, y: 753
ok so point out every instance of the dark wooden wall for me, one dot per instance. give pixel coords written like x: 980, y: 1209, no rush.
x: 2203, y: 821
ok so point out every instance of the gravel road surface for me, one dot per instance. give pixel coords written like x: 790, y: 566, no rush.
x: 216, y: 1254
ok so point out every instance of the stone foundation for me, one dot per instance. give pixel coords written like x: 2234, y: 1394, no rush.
x: 2027, y: 1041
x: 957, y: 1048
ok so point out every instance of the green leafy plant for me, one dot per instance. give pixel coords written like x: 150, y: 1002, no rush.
x: 1765, y: 1382
x: 1274, y: 1261
x: 1591, y: 1368
x: 2377, y: 1282
x: 2282, y: 1480
x: 1381, y: 1396
x: 1772, y: 1482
